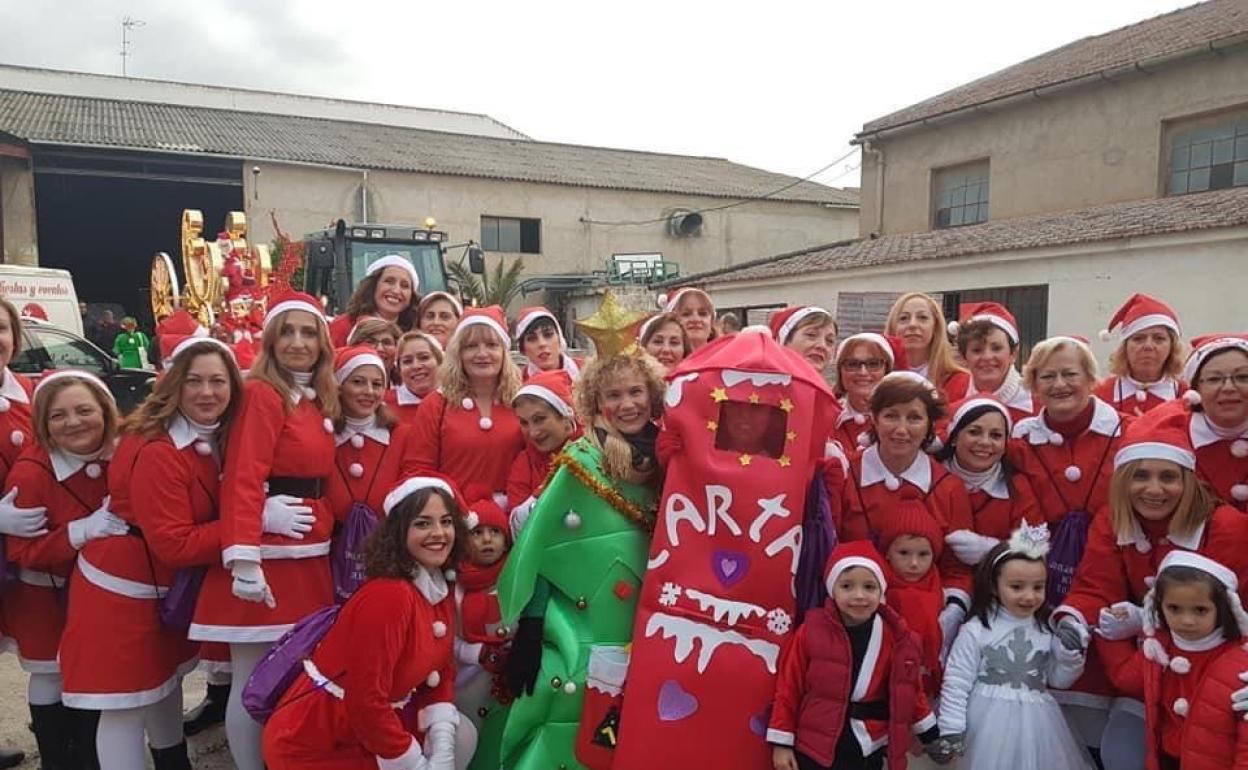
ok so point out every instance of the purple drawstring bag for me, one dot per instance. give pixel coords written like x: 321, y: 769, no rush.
x: 1065, y: 553
x: 8, y: 573
x: 277, y: 670
x: 177, y: 608
x: 818, y: 542
x: 346, y: 555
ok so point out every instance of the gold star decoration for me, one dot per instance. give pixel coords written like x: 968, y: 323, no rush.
x: 753, y: 398
x: 712, y: 426
x: 719, y: 395
x: 613, y: 327
x: 784, y: 461
x: 790, y: 436
x: 746, y: 460
x: 786, y: 405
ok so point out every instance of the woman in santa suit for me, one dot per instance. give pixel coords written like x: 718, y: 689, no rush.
x: 543, y: 406
x: 540, y: 339
x: 918, y: 321
x: 418, y: 357
x: 390, y: 650
x: 275, y: 519
x: 904, y: 410
x: 987, y: 336
x: 115, y: 604
x: 862, y: 360
x: 388, y: 291
x: 468, y: 431
x: 1157, y: 504
x: 1217, y: 413
x: 807, y: 330
x: 437, y: 314
x: 1145, y: 366
x: 65, y: 472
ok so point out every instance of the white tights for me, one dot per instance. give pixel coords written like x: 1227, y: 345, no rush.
x: 43, y: 689
x: 242, y: 731
x: 119, y: 740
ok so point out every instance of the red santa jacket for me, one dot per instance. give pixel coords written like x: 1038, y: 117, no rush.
x: 340, y: 327
x: 70, y: 489
x: 850, y: 427
x: 814, y: 688
x: 1213, y: 734
x: 867, y: 501
x: 389, y: 649
x: 404, y: 403
x: 451, y: 440
x: 367, y: 465
x: 1129, y: 397
x: 1216, y: 461
x: 998, y: 509
x: 15, y: 430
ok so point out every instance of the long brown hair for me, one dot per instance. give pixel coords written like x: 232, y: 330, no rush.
x: 940, y: 361
x: 153, y: 415
x: 267, y: 369
x: 363, y: 302
x: 617, y: 453
x: 45, y: 395
x: 385, y: 551
x: 1196, y: 504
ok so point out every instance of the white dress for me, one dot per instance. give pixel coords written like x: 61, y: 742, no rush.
x: 996, y: 692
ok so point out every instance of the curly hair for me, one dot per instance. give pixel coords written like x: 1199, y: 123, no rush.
x: 363, y: 302
x: 386, y: 553
x: 617, y: 454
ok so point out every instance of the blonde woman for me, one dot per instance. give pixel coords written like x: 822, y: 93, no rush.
x: 1144, y: 368
x: 919, y: 322
x: 418, y: 360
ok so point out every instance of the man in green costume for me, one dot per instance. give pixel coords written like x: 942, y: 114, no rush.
x: 132, y: 347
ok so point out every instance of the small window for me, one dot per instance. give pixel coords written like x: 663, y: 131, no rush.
x: 521, y: 236
x: 961, y: 195
x: 1209, y: 155
x: 752, y: 429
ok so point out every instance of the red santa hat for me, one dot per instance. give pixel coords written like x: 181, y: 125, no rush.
x: 891, y: 346
x: 187, y: 343
x: 857, y: 553
x: 554, y: 387
x: 911, y: 518
x: 85, y: 376
x: 177, y: 327
x: 994, y: 313
x: 491, y: 317
x: 961, y: 415
x: 669, y: 302
x: 1140, y: 311
x: 413, y: 484
x: 394, y: 260
x: 531, y: 314
x: 1164, y: 439
x: 1204, y: 346
x: 1153, y: 649
x: 348, y: 359
x: 784, y: 323
x: 434, y: 296
x: 482, y: 511
x: 294, y: 300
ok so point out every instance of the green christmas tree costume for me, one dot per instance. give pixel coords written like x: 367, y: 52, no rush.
x: 579, y: 563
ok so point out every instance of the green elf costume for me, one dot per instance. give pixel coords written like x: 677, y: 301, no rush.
x: 132, y: 347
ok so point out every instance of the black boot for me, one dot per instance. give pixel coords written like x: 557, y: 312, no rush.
x: 11, y: 758
x: 172, y: 758
x: 86, y: 723
x: 210, y: 711
x: 51, y: 726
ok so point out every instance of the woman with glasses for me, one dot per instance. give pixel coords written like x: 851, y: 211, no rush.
x: 1144, y: 368
x: 1218, y: 416
x: 862, y: 360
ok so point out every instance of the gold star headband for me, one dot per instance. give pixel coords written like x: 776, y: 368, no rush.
x: 613, y: 327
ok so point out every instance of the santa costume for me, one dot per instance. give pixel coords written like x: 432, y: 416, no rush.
x: 404, y: 403
x: 1221, y: 453
x: 1011, y: 392
x: 174, y: 329
x: 531, y: 467
x: 454, y: 439
x: 524, y: 320
x: 340, y: 327
x: 1124, y: 393
x: 918, y: 602
x: 847, y: 696
x: 15, y: 431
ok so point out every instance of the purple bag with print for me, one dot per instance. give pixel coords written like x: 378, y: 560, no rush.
x: 346, y: 554
x: 1065, y: 553
x: 277, y: 670
x: 177, y: 608
x: 818, y: 541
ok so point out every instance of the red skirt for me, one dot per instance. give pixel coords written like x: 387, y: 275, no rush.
x: 214, y: 658
x: 300, y: 587
x: 34, y: 617
x: 115, y: 653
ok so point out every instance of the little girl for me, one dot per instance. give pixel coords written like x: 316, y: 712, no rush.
x: 1188, y: 665
x: 911, y: 542
x: 849, y: 691
x: 994, y: 706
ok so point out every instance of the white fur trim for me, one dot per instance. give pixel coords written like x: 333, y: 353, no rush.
x: 855, y: 561
x: 433, y: 296
x: 1199, y: 355
x: 1156, y: 450
x: 998, y: 322
x: 481, y: 320
x: 182, y: 346
x: 975, y: 403
x: 293, y: 304
x: 527, y: 320
x: 1145, y: 321
x: 86, y: 377
x: 879, y: 340
x: 411, y: 485
x: 781, y: 737
x: 669, y: 306
x: 791, y: 323
x: 394, y: 260
x: 547, y: 395
x: 355, y: 362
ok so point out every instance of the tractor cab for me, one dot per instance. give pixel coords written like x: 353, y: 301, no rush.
x: 337, y: 257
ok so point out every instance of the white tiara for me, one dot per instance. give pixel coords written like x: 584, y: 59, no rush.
x: 1027, y: 541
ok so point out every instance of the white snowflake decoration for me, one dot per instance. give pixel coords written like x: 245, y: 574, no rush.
x: 669, y: 594
x: 779, y: 622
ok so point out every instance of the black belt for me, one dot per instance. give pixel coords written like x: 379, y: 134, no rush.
x: 134, y: 531
x: 308, y: 489
x: 875, y: 710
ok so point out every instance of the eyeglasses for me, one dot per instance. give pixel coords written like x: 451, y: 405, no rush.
x: 872, y: 365
x: 1218, y: 381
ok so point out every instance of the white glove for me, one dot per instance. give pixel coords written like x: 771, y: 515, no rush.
x: 1239, y: 698
x: 249, y: 583
x: 100, y: 523
x: 440, y: 746
x: 520, y: 514
x: 1072, y: 633
x: 1065, y: 655
x: 1113, y: 628
x: 287, y: 516
x: 950, y: 620
x: 21, y: 522
x: 969, y: 547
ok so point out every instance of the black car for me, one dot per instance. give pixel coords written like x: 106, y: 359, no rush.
x: 45, y: 347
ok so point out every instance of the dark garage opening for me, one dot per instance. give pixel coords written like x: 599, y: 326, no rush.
x: 102, y: 216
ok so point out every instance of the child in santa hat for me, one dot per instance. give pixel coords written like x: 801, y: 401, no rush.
x: 540, y: 339
x: 849, y: 692
x: 911, y: 542
x: 543, y: 406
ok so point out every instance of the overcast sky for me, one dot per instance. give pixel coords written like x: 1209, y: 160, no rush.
x: 780, y: 85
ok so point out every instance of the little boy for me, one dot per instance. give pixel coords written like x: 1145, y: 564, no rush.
x: 911, y: 542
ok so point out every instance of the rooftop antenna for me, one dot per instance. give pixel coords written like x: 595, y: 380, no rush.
x: 127, y: 24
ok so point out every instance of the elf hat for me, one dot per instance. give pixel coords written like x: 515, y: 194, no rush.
x: 891, y: 346
x: 1153, y: 649
x: 394, y: 260
x: 1139, y: 312
x: 996, y: 314
x: 432, y: 296
x: 1164, y: 439
x: 348, y: 359
x: 554, y: 387
x: 294, y: 300
x: 482, y: 510
x: 1205, y: 346
x: 911, y: 518
x: 669, y: 302
x: 531, y: 314
x: 857, y: 553
x: 785, y: 322
x: 491, y: 317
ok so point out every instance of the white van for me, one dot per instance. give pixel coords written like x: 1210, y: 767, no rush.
x: 44, y: 293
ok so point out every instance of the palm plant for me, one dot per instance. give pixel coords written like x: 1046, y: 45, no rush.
x: 498, y: 286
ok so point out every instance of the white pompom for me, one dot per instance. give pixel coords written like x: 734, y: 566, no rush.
x: 4, y: 404
x: 17, y: 438
x: 486, y: 423
x: 1239, y: 448
x: 1141, y: 396
x: 203, y: 448
x: 357, y: 441
x: 434, y: 679
x: 569, y: 687
x: 472, y: 520
x: 450, y: 575
x: 953, y: 327
x: 328, y: 425
x: 1072, y: 473
x: 467, y: 403
x: 1180, y: 707
x: 864, y: 439
x: 1191, y: 397
x: 1180, y: 665
x: 1143, y: 546
x: 1057, y: 439
x: 572, y: 520
x: 1105, y: 335
x: 439, y: 629
x: 860, y: 419
x: 1154, y: 651
x: 892, y: 483
x: 309, y: 392
x: 356, y: 470
x: 94, y: 470
x: 661, y: 299
x: 1240, y: 492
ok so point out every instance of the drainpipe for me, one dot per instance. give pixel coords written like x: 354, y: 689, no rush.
x: 364, y: 197
x: 872, y: 149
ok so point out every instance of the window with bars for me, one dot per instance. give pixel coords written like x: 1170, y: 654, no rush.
x: 522, y: 236
x: 960, y: 194
x: 1209, y: 155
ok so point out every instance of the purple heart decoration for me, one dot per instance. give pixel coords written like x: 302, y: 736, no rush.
x: 759, y: 722
x: 674, y: 702
x: 729, y: 567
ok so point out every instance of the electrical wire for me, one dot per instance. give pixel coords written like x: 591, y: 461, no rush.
x: 741, y: 202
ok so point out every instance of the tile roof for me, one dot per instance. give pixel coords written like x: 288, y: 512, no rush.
x: 1182, y: 30
x: 76, y: 120
x: 1155, y: 216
